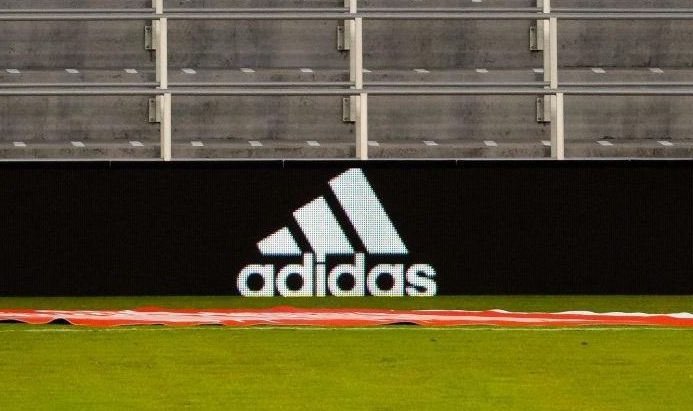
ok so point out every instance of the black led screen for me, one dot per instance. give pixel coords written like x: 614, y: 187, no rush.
x: 347, y: 228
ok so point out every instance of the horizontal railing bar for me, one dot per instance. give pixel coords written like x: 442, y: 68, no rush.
x: 369, y: 83
x: 173, y: 16
x: 450, y: 9
x: 455, y: 83
x: 38, y: 85
x: 265, y: 92
x: 526, y: 16
x: 607, y: 84
x: 399, y: 91
x: 78, y: 11
x: 187, y: 84
x: 621, y: 10
x: 342, y: 16
x: 362, y: 9
x: 520, y: 9
x: 78, y: 16
x: 500, y: 91
x: 259, y: 10
x: 626, y: 91
x: 265, y: 84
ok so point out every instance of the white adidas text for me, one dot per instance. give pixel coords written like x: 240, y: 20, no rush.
x: 418, y: 280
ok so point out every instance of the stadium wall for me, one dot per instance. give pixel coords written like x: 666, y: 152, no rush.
x: 417, y: 227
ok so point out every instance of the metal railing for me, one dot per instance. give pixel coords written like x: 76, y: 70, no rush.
x: 358, y: 90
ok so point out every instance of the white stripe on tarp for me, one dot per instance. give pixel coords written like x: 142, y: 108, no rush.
x: 51, y: 329
x: 322, y: 230
x: 342, y: 317
x: 72, y: 71
x: 366, y: 213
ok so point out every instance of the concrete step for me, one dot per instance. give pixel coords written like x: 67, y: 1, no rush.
x: 320, y: 118
x: 79, y: 149
x: 416, y: 118
x: 434, y: 44
x: 72, y: 74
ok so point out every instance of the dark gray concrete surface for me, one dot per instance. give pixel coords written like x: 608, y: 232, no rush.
x: 450, y: 50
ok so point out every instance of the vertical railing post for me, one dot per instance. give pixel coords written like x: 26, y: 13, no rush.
x: 546, y: 32
x: 553, y: 53
x: 166, y: 126
x: 360, y: 102
x: 160, y: 28
x: 557, y: 130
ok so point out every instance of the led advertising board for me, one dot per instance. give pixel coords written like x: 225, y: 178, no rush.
x: 310, y: 228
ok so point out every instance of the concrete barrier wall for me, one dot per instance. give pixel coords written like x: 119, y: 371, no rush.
x: 192, y: 228
x: 53, y: 119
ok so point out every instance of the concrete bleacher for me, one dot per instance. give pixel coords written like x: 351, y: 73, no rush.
x: 305, y: 51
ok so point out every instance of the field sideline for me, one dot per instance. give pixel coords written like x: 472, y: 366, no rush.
x: 474, y: 368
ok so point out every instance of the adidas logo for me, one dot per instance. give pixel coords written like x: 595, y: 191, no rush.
x: 327, y: 238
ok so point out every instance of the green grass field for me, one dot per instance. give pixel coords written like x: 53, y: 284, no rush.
x: 388, y: 368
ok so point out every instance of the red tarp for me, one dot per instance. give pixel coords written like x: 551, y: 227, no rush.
x: 289, y: 316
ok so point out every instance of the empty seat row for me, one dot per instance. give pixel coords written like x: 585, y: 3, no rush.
x: 305, y: 53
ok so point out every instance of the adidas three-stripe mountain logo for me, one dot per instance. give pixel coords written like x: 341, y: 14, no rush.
x: 326, y: 238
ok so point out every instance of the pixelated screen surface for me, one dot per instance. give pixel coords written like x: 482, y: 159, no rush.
x: 314, y: 228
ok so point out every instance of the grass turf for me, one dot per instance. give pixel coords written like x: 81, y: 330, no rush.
x: 480, y: 368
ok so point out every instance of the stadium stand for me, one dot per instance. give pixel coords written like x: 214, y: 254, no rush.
x: 58, y: 51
